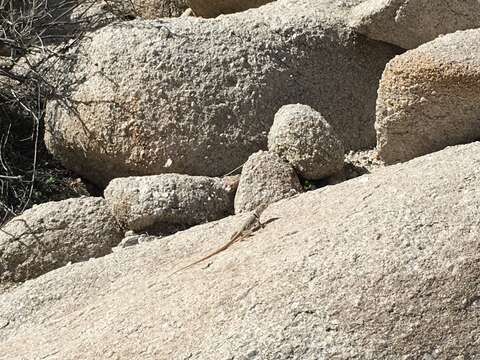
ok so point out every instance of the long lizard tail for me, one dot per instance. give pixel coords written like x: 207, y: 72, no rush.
x: 234, y: 238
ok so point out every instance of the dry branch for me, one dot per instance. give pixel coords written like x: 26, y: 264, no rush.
x: 35, y: 36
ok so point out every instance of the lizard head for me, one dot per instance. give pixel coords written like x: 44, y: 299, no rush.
x: 260, y: 208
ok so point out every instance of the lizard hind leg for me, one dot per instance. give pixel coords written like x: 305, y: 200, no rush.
x: 246, y: 234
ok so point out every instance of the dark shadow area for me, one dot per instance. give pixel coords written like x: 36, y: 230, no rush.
x: 270, y: 221
x: 349, y: 171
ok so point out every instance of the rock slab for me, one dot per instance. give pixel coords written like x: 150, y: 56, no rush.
x: 363, y: 269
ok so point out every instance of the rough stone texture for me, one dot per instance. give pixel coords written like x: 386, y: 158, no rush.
x: 53, y: 234
x: 197, y: 97
x: 385, y: 266
x: 410, y: 23
x: 429, y: 98
x: 154, y: 203
x: 304, y: 138
x: 212, y: 8
x: 265, y: 178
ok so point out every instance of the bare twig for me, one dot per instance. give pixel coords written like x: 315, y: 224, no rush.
x: 18, y: 177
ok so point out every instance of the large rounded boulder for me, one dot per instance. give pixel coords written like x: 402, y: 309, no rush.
x: 160, y: 203
x: 410, y: 23
x: 197, y: 97
x: 429, y: 98
x: 54, y: 234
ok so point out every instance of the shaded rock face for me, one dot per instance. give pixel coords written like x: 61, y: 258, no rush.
x: 408, y: 23
x: 304, y: 138
x: 162, y: 202
x: 265, y: 179
x: 200, y: 95
x: 428, y: 98
x: 384, y: 266
x: 148, y: 9
x: 53, y: 234
x: 209, y: 8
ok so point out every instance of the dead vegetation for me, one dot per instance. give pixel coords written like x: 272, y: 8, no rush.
x: 35, y: 36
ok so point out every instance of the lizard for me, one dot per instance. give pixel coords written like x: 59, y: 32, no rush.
x: 251, y: 224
